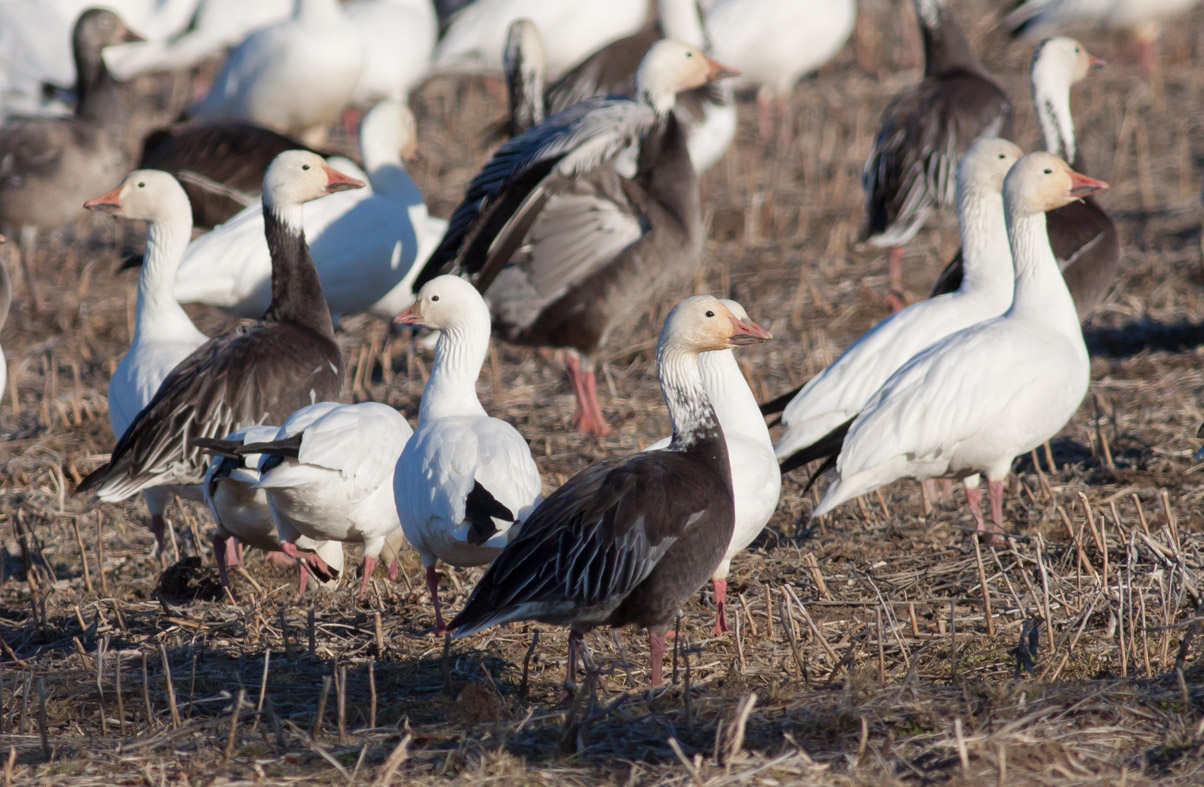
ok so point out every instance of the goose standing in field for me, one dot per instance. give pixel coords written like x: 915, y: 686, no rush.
x: 839, y: 392
x: 368, y: 245
x: 972, y: 402
x: 774, y: 43
x: 163, y: 333
x: 629, y: 540
x: 50, y: 165
x: 1082, y: 235
x: 465, y: 480
x: 476, y: 34
x: 925, y: 130
x: 756, y: 481
x: 258, y: 372
x: 708, y: 112
x: 295, y: 76
x: 565, y: 247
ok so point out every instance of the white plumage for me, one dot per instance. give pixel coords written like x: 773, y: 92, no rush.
x: 756, y: 480
x: 367, y: 244
x: 464, y: 479
x: 397, y: 38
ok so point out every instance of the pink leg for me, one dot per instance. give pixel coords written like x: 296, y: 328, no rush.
x: 974, y: 498
x: 895, y: 298
x: 159, y: 529
x: 369, y: 567
x: 221, y: 551
x: 588, y: 417
x: 319, y: 566
x: 1147, y: 56
x: 930, y: 488
x: 764, y: 115
x: 393, y: 570
x: 351, y: 121
x: 720, y: 586
x: 995, y: 490
x: 280, y: 559
x: 233, y: 551
x: 432, y: 584
x: 947, y: 487
x: 303, y: 576
x: 656, y: 649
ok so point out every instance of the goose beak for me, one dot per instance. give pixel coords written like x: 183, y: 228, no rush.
x: 109, y: 202
x: 1081, y: 185
x: 747, y: 333
x: 3, y: 239
x: 1095, y: 63
x: 337, y: 181
x: 130, y: 37
x: 717, y: 71
x: 410, y: 316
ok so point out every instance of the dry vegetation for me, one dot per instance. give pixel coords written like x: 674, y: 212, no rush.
x: 878, y: 646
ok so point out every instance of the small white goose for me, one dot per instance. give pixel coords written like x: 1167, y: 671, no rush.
x: 465, y: 480
x: 163, y: 333
x: 756, y: 480
x: 839, y: 392
x: 328, y: 476
x: 974, y: 401
x: 368, y: 244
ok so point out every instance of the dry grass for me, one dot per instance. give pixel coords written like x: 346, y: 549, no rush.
x: 876, y: 646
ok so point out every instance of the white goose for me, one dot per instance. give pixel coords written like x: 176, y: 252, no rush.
x: 465, y: 479
x: 328, y: 475
x: 368, y: 245
x: 163, y: 333
x: 839, y: 392
x: 397, y: 38
x: 476, y: 35
x: 295, y: 76
x: 974, y: 401
x: 756, y: 480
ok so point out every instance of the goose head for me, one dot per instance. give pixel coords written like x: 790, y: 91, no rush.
x: 986, y: 164
x: 703, y: 323
x: 671, y: 67
x: 445, y: 303
x: 1041, y: 182
x: 145, y: 194
x: 387, y: 130
x: 1061, y: 62
x: 298, y: 176
x: 97, y: 28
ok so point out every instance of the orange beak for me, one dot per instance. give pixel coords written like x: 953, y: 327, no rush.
x: 108, y: 202
x: 337, y: 181
x: 3, y: 239
x: 408, y: 317
x: 1096, y: 63
x: 717, y: 71
x: 747, y: 333
x: 1081, y: 185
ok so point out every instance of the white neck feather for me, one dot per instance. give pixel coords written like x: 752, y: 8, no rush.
x: 1040, y: 291
x: 159, y: 315
x: 1051, y: 100
x: 987, y: 269
x: 689, y: 407
x: 732, y: 399
x: 459, y: 355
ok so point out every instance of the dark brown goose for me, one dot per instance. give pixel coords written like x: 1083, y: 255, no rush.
x: 1082, y: 235
x: 629, y: 540
x: 50, y: 165
x: 258, y: 373
x: 925, y: 129
x: 572, y: 249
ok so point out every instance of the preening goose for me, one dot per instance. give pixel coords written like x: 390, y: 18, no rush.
x: 567, y: 249
x: 971, y: 403
x: 163, y: 333
x: 629, y: 540
x: 328, y: 476
x: 465, y: 480
x: 259, y: 372
x: 756, y: 481
x: 839, y: 392
x: 1082, y: 235
x: 707, y: 112
x: 925, y: 130
x: 50, y: 165
x: 295, y: 76
x: 240, y: 508
x: 774, y: 43
x: 367, y: 244
x: 475, y: 35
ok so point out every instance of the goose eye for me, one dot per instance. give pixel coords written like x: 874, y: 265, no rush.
x: 689, y: 54
x: 710, y: 313
x: 1002, y: 157
x: 434, y: 297
x: 141, y: 185
x: 305, y: 167
x: 1049, y: 172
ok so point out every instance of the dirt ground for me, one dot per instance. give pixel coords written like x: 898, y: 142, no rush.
x: 878, y: 645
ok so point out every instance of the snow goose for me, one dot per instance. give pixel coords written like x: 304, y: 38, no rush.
x: 328, y: 476
x: 707, y: 112
x: 1082, y: 235
x: 566, y: 248
x: 367, y: 244
x: 627, y: 541
x: 972, y: 402
x: 776, y: 42
x: 841, y: 391
x: 256, y: 373
x: 925, y: 129
x: 240, y: 508
x: 295, y: 76
x: 523, y: 64
x: 465, y: 479
x: 476, y: 34
x: 50, y: 165
x: 756, y: 481
x: 163, y: 333
x: 397, y: 38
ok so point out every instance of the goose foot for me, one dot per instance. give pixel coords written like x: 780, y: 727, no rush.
x: 369, y: 567
x: 588, y: 417
x: 432, y: 584
x: 656, y: 651
x: 720, y: 586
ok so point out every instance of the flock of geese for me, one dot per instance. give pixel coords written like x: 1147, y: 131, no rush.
x: 586, y: 219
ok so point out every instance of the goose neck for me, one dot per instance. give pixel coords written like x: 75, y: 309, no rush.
x: 731, y: 398
x: 296, y: 290
x: 1051, y: 101
x: 98, y: 95
x: 158, y: 311
x: 695, y: 425
x: 451, y: 389
x: 1040, y: 291
x: 945, y: 45
x: 987, y: 267
x: 681, y: 21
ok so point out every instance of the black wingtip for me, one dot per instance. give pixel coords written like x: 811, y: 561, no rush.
x: 778, y: 404
x: 827, y: 447
x: 93, y: 479
x: 213, y: 445
x: 828, y: 464
x: 131, y: 262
